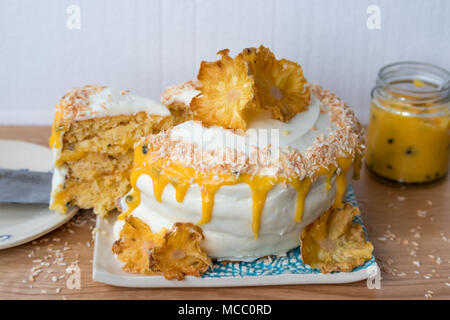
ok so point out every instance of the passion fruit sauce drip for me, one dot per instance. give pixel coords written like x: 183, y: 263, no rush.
x: 58, y: 129
x: 163, y: 172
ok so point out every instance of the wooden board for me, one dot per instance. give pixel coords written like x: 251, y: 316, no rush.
x: 402, y: 239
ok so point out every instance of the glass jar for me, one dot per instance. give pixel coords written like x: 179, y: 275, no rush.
x: 408, y: 136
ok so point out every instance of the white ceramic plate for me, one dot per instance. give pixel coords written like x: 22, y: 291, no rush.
x: 280, y: 270
x: 21, y: 223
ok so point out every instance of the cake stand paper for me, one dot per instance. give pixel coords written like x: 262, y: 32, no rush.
x: 271, y: 270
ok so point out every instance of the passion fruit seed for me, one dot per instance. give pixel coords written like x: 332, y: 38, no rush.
x: 129, y: 198
x: 409, y: 151
x: 236, y: 173
x: 144, y: 149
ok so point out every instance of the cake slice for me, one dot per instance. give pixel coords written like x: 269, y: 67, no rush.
x: 93, y: 133
x: 178, y: 99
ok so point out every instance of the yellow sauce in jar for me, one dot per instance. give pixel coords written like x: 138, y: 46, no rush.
x: 408, y: 136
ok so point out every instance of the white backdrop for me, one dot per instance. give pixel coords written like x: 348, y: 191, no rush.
x: 147, y: 45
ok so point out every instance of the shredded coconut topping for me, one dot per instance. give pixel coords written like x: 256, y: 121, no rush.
x: 169, y: 96
x: 346, y: 141
x: 75, y: 103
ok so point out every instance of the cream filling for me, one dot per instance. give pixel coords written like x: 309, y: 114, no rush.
x: 113, y: 102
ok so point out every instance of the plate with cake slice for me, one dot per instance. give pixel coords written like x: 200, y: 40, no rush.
x: 244, y: 171
x: 20, y: 222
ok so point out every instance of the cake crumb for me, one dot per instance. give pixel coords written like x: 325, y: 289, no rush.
x: 422, y: 213
x: 393, y: 206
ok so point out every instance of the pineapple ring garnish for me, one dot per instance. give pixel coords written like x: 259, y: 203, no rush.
x: 281, y: 86
x: 334, y: 243
x: 249, y: 55
x: 227, y: 92
x: 173, y: 253
x: 133, y: 247
x: 180, y: 254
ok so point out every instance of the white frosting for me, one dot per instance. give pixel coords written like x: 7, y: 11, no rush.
x: 59, y: 175
x: 263, y: 131
x: 113, y: 102
x: 185, y: 96
x: 58, y: 178
x: 228, y: 236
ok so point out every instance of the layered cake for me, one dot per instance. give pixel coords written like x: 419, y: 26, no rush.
x: 265, y: 155
x: 93, y: 134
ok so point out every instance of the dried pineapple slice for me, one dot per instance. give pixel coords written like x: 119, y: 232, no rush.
x: 249, y: 55
x: 333, y: 243
x: 180, y: 254
x: 134, y: 245
x: 173, y: 253
x: 281, y: 86
x: 227, y: 92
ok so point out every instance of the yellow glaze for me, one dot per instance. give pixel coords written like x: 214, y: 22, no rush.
x: 59, y: 201
x: 163, y: 172
x: 330, y: 174
x: 407, y: 144
x: 341, y: 179
x: 55, y: 142
x: 57, y: 128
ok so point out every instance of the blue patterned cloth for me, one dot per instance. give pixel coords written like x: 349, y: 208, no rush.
x: 290, y: 263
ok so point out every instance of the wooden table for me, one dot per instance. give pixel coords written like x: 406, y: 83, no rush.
x: 402, y: 239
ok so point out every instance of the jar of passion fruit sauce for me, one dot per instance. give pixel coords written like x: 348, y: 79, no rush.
x: 409, y: 133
